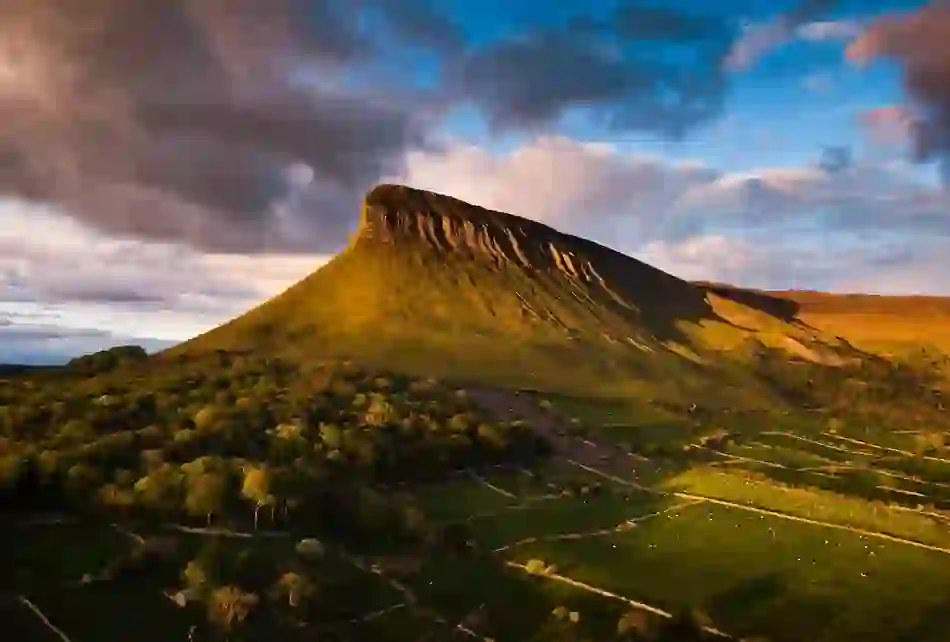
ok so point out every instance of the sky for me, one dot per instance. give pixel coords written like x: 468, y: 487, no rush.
x: 166, y: 166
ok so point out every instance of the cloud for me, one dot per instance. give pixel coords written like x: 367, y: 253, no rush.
x: 918, y: 42
x: 889, y: 125
x: 829, y: 30
x: 595, y: 188
x: 863, y: 268
x: 256, y: 126
x: 757, y: 40
x: 178, y: 120
x: 55, y: 273
x: 51, y: 344
x: 566, y: 183
x: 765, y: 227
x: 835, y: 159
x: 627, y: 68
x: 862, y: 198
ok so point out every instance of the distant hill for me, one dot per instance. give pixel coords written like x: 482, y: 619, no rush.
x: 434, y: 286
x: 895, y: 326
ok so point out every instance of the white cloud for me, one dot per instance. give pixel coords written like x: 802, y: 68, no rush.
x: 758, y: 40
x: 568, y: 184
x: 829, y: 30
x: 57, y: 276
x: 592, y: 189
x: 766, y: 227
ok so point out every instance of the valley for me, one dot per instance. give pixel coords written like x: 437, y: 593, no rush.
x: 468, y: 426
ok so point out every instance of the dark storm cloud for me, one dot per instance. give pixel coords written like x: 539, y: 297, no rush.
x: 918, y: 42
x: 176, y: 120
x: 256, y: 125
x: 641, y: 68
x: 420, y: 24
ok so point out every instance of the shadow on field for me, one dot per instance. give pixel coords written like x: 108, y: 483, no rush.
x: 932, y: 622
x: 748, y: 594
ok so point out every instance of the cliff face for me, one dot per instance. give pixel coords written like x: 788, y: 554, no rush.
x: 415, y: 219
x: 405, y: 216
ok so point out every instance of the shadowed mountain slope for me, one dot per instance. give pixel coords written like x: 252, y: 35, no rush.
x: 432, y: 285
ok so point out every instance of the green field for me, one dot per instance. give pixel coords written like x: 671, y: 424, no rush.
x: 758, y: 574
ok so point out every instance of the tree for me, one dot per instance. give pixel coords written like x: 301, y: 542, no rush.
x: 535, y: 566
x: 161, y: 488
x: 295, y: 587
x: 257, y: 488
x: 492, y: 435
x: 380, y: 412
x: 116, y: 496
x: 81, y: 478
x: 229, y: 606
x: 206, y: 494
x: 331, y: 436
x: 414, y: 521
x: 195, y: 575
x: 205, y: 418
x: 12, y: 468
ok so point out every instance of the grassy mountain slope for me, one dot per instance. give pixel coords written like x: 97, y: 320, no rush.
x: 893, y: 324
x: 913, y: 330
x: 431, y: 285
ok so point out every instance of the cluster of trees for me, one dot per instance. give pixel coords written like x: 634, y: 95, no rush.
x: 231, y: 435
x: 106, y: 360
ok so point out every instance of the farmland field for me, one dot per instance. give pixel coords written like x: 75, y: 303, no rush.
x: 754, y: 573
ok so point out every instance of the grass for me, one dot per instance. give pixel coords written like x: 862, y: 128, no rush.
x: 115, y: 613
x: 756, y: 574
x: 605, y: 413
x: 22, y: 625
x: 784, y: 456
x: 515, y: 604
x: 555, y: 517
x: 521, y: 484
x: 836, y: 452
x: 811, y: 503
x: 459, y: 498
x: 42, y: 556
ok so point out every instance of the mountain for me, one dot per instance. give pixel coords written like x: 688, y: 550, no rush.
x: 434, y: 286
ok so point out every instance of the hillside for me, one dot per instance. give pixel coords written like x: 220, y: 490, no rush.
x: 888, y: 324
x: 433, y: 286
x: 911, y: 329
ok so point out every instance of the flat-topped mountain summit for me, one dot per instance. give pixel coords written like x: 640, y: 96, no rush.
x: 426, y: 223
x: 432, y: 285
